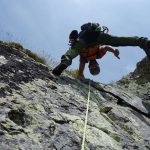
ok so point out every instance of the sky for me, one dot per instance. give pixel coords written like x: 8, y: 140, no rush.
x: 44, y: 26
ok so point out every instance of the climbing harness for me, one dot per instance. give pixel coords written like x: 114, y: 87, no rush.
x: 86, y: 117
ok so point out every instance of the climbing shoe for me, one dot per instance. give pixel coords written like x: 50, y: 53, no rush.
x: 59, y: 69
x: 145, y: 45
x: 147, y: 48
x: 65, y: 62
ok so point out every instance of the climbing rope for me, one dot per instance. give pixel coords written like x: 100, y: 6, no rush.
x: 86, y: 118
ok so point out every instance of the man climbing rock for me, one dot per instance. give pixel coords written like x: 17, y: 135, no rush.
x: 92, y: 34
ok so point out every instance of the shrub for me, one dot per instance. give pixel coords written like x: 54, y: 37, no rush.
x: 15, y: 45
x: 72, y: 73
x: 35, y: 57
x: 26, y: 51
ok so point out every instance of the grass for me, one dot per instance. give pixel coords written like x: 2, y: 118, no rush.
x: 26, y: 51
x: 35, y: 57
x: 15, y: 45
x: 73, y: 73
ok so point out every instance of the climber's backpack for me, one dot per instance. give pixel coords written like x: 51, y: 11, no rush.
x: 91, y: 27
x: 87, y: 27
x: 89, y: 33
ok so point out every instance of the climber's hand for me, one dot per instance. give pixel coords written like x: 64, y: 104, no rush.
x: 116, y: 53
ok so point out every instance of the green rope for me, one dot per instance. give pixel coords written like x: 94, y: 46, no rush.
x: 86, y: 118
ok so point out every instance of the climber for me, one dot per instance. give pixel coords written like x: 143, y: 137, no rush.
x: 90, y: 55
x: 92, y: 34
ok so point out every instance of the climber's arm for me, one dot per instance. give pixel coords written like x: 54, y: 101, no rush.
x: 111, y: 49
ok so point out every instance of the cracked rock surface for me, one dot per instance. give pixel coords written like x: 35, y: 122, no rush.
x: 41, y: 112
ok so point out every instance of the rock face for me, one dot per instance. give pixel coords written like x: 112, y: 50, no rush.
x: 41, y: 112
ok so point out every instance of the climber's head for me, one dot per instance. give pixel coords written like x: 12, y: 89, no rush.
x: 94, y: 67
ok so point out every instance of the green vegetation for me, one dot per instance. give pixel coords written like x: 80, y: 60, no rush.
x: 35, y: 57
x: 105, y: 109
x: 26, y: 51
x: 125, y: 80
x: 14, y: 45
x: 72, y: 73
x: 142, y: 80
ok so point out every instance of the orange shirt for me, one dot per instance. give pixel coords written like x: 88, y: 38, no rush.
x: 92, y: 53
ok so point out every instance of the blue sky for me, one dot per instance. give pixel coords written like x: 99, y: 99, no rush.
x: 44, y: 25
